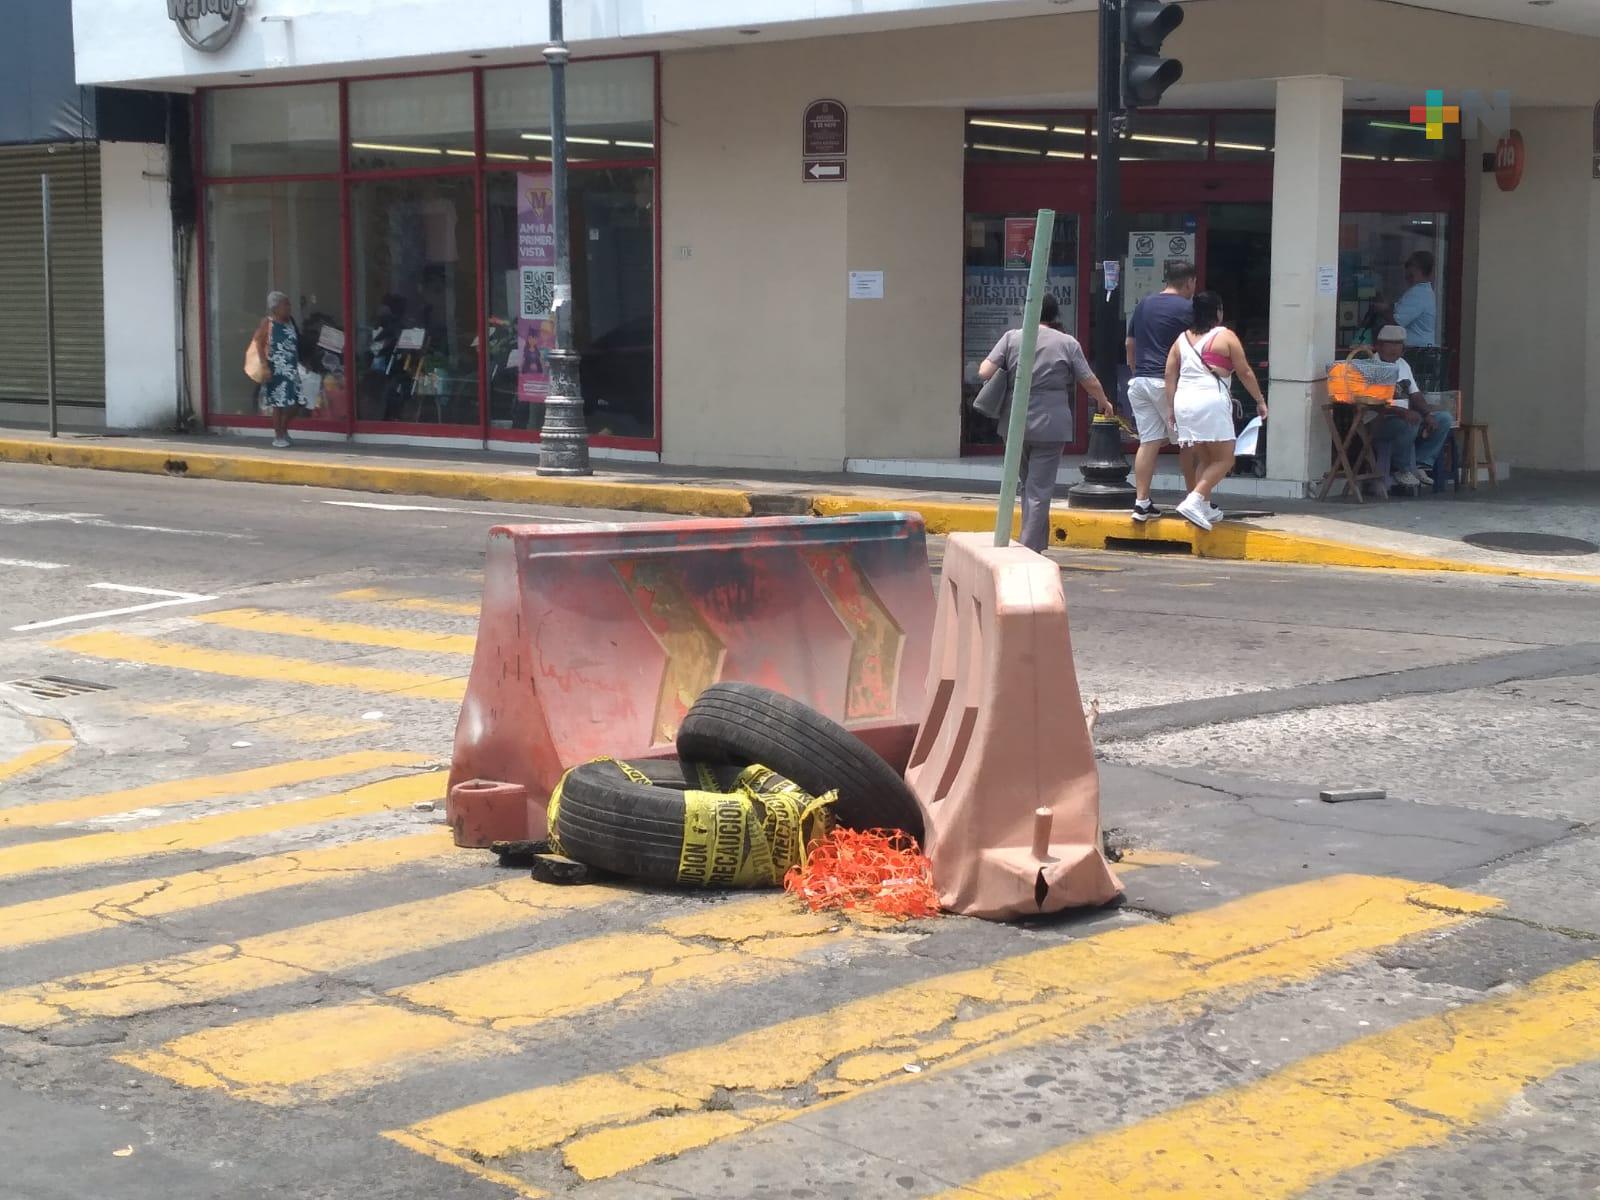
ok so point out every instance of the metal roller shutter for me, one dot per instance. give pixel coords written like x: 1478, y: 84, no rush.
x: 74, y: 170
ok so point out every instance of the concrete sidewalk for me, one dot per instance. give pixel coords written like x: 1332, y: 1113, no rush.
x: 1422, y: 534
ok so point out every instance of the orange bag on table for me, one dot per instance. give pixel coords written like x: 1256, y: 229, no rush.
x: 1362, y: 378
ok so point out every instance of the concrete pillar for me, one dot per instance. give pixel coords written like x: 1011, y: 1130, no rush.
x: 1305, y: 243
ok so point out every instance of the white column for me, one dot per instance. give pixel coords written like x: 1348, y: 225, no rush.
x: 1305, y: 244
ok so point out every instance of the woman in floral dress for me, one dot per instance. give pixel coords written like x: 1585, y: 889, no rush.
x: 278, y: 343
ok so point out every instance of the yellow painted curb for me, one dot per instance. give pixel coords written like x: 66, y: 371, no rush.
x: 681, y: 500
x: 1088, y: 530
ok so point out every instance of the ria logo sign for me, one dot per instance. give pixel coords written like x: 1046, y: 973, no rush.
x: 207, y: 25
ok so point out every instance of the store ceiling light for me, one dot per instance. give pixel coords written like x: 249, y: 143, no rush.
x: 1069, y: 130
x: 1078, y: 154
x: 635, y: 145
x: 985, y: 123
x: 1361, y: 157
x: 462, y: 153
x: 507, y: 157
x: 1006, y: 149
x: 393, y: 149
x: 1164, y: 140
x: 1402, y: 126
x: 1242, y: 146
x: 579, y: 141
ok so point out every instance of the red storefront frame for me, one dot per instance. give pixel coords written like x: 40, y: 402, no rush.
x: 479, y: 170
x: 1192, y: 187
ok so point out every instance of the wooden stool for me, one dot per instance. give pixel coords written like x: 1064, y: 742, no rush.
x: 1353, y: 460
x: 1476, y: 451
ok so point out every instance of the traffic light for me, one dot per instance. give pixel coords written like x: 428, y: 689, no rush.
x: 1145, y: 74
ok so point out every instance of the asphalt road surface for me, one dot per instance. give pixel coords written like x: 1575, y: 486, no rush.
x: 239, y: 957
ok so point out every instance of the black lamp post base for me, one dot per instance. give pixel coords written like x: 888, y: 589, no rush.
x: 564, y: 435
x: 1105, y: 470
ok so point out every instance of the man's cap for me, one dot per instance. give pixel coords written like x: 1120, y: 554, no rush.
x: 1392, y: 333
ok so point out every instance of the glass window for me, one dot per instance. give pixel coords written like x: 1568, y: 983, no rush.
x: 272, y: 130
x: 613, y: 267
x: 994, y: 294
x: 611, y: 106
x: 1394, y: 137
x: 1245, y: 137
x: 1392, y: 269
x: 420, y: 121
x: 263, y: 237
x: 1027, y: 137
x: 416, y: 297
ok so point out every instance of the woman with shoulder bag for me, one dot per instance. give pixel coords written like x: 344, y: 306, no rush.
x: 1058, y: 361
x: 1200, y: 370
x: 273, y: 360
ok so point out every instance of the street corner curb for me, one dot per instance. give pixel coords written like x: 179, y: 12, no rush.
x: 508, y: 487
x: 1078, y: 529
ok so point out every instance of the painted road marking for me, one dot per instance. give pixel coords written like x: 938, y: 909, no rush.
x: 609, y: 1123
x: 31, y: 564
x: 123, y: 845
x: 38, y: 921
x: 172, y: 599
x: 56, y: 741
x: 326, y: 1052
x: 255, y: 620
x: 27, y: 516
x: 394, y: 599
x: 300, y: 952
x: 204, y: 787
x: 295, y: 726
x: 520, y: 518
x: 121, y: 647
x: 1415, y: 1086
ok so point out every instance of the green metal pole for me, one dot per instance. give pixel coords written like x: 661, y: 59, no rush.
x: 1022, y: 386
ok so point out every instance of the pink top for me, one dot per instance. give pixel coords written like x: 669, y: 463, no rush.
x: 1215, y: 358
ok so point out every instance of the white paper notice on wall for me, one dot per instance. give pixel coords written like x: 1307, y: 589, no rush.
x: 1327, y: 281
x: 866, y: 285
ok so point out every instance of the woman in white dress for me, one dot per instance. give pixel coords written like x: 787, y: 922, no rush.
x: 1200, y: 370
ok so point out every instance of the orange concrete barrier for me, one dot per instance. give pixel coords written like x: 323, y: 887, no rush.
x: 595, y: 639
x: 1003, y: 765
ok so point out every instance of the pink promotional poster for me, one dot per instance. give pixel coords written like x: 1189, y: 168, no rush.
x: 536, y: 258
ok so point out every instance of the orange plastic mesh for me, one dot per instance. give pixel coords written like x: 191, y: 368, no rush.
x: 878, y: 870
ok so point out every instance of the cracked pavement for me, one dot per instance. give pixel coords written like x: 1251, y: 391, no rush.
x: 344, y: 1007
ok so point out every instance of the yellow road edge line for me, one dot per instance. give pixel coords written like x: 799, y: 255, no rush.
x: 55, y: 739
x: 122, y: 845
x: 36, y: 921
x: 1413, y: 1086
x: 287, y: 624
x: 1270, y: 939
x: 390, y: 597
x: 519, y: 488
x: 489, y: 1174
x: 325, y: 1052
x: 122, y: 647
x: 1231, y: 540
x: 288, y: 955
x: 205, y: 787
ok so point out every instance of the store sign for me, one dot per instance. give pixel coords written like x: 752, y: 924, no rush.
x: 1150, y: 254
x: 536, y: 276
x: 827, y: 130
x: 1510, y: 157
x: 993, y: 303
x: 207, y: 25
x: 1019, y: 233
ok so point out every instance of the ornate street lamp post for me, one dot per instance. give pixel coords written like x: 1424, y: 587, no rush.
x: 564, y: 434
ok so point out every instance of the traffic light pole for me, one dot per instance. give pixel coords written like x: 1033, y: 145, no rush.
x: 1110, y: 119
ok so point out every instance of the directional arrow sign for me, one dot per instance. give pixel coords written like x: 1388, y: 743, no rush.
x: 825, y: 170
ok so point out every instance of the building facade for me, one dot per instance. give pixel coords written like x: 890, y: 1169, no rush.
x: 789, y: 220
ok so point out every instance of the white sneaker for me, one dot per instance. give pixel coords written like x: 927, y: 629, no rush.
x: 1407, y: 479
x: 1425, y: 476
x: 1195, y: 511
x: 281, y: 443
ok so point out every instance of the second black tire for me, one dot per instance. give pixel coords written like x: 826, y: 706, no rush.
x: 611, y: 820
x: 742, y: 723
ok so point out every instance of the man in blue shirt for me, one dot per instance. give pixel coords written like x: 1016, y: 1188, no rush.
x: 1155, y: 325
x: 1417, y: 310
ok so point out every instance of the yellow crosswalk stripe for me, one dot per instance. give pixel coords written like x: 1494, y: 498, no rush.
x: 255, y: 620
x: 122, y: 845
x: 55, y: 741
x: 1414, y: 1086
x: 122, y: 647
x: 340, y: 943
x: 394, y: 599
x: 38, y: 921
x: 326, y: 1052
x: 295, y: 726
x: 608, y: 1123
x: 204, y: 787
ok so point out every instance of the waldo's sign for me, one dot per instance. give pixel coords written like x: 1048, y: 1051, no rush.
x: 207, y: 24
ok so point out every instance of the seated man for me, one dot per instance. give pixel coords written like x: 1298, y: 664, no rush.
x: 1408, y: 438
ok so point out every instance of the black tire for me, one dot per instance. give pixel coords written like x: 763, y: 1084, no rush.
x: 609, y: 821
x: 742, y: 724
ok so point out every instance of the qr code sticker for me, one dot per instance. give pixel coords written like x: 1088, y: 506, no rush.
x: 538, y: 292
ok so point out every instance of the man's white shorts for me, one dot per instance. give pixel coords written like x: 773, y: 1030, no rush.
x: 1148, y: 399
